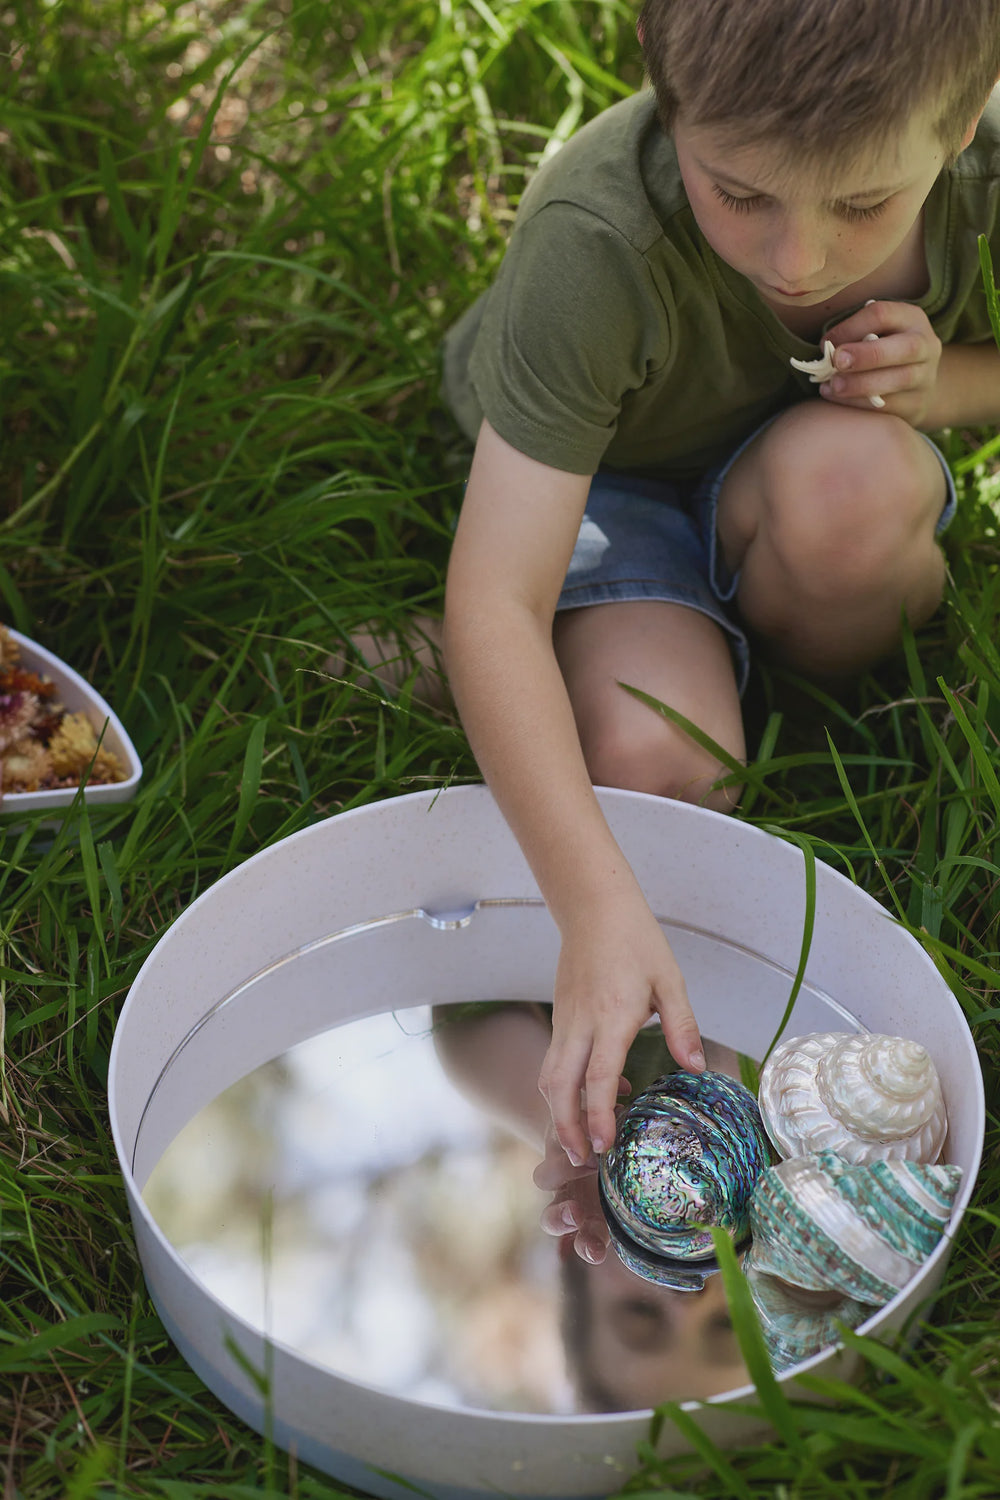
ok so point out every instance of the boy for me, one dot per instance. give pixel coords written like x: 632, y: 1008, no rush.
x: 651, y: 473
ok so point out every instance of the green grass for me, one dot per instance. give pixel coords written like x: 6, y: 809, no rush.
x: 231, y: 236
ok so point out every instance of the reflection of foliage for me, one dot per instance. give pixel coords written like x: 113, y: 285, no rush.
x: 447, y: 1237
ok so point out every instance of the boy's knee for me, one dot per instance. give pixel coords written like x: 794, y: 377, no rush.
x: 848, y: 507
x: 660, y: 759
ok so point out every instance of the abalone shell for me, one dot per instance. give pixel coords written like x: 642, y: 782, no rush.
x: 687, y: 1154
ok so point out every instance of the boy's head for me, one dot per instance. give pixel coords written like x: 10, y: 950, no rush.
x: 829, y: 79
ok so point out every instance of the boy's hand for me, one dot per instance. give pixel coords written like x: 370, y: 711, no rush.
x: 615, y: 971
x: 900, y: 364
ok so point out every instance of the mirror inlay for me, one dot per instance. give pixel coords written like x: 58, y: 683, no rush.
x: 367, y: 1200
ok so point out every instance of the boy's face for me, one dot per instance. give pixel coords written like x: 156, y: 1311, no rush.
x: 799, y: 240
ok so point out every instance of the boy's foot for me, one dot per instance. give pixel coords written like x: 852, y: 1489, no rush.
x: 394, y: 658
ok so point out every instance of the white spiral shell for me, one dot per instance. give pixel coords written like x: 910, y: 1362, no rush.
x: 867, y: 1097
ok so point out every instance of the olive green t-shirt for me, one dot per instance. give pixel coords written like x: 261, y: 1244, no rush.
x: 614, y: 336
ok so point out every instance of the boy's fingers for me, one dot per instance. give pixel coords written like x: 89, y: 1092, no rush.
x: 878, y: 318
x: 603, y: 1079
x: 571, y: 1216
x: 860, y: 326
x: 860, y: 387
x: 560, y: 1082
x: 591, y: 1249
x: 559, y: 1218
x: 681, y: 1034
x: 555, y: 1171
x: 903, y: 349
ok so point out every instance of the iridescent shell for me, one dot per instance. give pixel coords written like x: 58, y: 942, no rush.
x: 862, y: 1230
x: 866, y: 1097
x: 686, y: 1156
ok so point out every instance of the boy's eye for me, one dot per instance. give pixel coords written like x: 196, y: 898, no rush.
x: 738, y: 205
x: 854, y: 215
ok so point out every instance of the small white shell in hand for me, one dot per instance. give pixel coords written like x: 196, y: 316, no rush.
x: 867, y: 1097
x: 819, y: 370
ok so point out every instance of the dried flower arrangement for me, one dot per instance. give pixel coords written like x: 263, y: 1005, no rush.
x: 41, y: 745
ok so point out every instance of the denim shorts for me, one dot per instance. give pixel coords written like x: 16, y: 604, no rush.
x: 643, y: 538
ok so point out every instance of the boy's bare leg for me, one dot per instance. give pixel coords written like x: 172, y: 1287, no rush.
x: 831, y: 516
x: 679, y: 656
x: 392, y: 659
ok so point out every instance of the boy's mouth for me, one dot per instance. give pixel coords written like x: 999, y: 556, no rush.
x: 781, y: 292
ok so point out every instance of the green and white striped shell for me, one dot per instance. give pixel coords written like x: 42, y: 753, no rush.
x: 834, y: 1240
x: 864, y: 1096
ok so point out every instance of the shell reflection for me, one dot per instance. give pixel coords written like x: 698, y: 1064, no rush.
x: 686, y: 1156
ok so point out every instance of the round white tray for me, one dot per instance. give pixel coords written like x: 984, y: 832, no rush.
x: 427, y: 899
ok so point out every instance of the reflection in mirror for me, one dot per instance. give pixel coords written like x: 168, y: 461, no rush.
x: 367, y: 1200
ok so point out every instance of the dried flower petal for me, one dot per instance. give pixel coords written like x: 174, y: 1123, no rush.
x: 17, y: 711
x: 27, y: 766
x: 47, y: 722
x: 10, y: 651
x: 73, y: 747
x: 17, y: 680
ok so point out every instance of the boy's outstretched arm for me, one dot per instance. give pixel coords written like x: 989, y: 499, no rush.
x: 513, y: 545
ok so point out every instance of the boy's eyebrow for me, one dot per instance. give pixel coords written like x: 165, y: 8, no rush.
x: 727, y: 177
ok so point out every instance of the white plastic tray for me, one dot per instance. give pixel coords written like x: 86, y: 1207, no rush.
x: 74, y: 693
x: 427, y: 899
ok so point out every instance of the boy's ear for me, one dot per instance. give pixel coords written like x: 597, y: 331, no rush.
x: 967, y: 138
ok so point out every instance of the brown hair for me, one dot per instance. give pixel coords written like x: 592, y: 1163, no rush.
x: 828, y: 77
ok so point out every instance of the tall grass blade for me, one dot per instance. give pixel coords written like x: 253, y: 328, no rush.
x: 249, y: 785
x: 990, y: 286
x: 852, y: 803
x: 808, y: 926
x: 746, y: 1326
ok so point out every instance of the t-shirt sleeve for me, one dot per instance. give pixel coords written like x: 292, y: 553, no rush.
x: 573, y: 323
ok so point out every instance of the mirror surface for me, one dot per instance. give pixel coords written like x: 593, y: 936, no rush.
x: 367, y: 1200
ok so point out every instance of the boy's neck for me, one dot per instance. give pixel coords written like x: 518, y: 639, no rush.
x: 901, y: 278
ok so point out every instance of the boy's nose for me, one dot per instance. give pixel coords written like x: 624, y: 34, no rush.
x: 796, y: 261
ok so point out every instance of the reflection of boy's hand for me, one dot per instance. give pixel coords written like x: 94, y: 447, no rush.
x: 575, y: 1207
x: 899, y: 365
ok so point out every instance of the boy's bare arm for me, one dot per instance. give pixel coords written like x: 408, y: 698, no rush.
x: 967, y: 392
x: 514, y: 541
x: 927, y: 385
